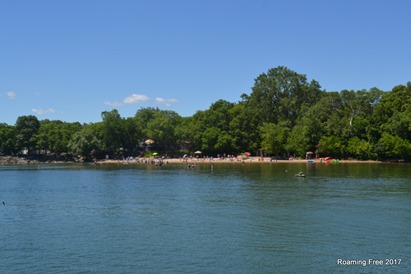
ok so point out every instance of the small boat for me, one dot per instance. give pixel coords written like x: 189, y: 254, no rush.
x: 299, y: 175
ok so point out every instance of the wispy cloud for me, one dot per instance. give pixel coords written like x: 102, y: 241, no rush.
x: 40, y: 111
x: 135, y: 98
x: 166, y: 102
x: 129, y: 100
x: 139, y: 98
x: 11, y: 95
x: 113, y: 104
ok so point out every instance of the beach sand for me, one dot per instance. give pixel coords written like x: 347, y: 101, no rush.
x: 265, y: 160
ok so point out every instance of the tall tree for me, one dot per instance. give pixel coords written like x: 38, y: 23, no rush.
x: 26, y: 128
x: 213, y: 128
x: 187, y: 135
x: 54, y: 136
x: 131, y: 134
x: 274, y: 138
x: 7, y: 144
x: 358, y: 107
x: 143, y: 117
x: 112, y: 131
x: 161, y: 128
x: 392, y: 114
x: 87, y: 142
x: 244, y: 128
x: 282, y: 95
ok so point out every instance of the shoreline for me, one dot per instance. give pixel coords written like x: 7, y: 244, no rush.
x: 194, y: 161
x: 14, y: 160
x: 29, y: 160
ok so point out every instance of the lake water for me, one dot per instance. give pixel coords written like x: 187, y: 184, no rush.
x: 229, y: 218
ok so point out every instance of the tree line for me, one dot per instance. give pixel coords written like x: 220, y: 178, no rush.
x: 284, y: 115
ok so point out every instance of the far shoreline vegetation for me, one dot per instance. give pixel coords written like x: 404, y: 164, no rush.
x: 285, y: 115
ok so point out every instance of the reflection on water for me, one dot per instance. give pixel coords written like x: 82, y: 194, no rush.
x: 251, y: 218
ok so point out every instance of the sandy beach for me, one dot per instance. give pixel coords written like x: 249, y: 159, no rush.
x: 13, y: 160
x: 265, y: 160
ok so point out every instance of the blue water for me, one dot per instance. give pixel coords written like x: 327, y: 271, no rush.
x: 252, y: 218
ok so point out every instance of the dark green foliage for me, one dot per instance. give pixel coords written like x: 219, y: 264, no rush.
x: 88, y: 141
x: 54, y: 136
x: 113, y: 131
x: 282, y: 94
x: 159, y: 126
x: 284, y: 115
x: 7, y: 143
x: 26, y: 129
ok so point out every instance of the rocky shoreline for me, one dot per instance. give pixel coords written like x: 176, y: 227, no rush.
x: 26, y: 160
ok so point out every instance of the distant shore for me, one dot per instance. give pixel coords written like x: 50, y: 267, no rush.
x: 15, y: 160
x: 194, y: 161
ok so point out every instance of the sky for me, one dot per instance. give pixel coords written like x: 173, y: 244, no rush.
x: 70, y: 60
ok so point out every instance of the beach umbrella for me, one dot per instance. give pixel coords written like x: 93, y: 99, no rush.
x: 155, y: 153
x: 149, y: 142
x: 309, y: 154
x: 197, y: 152
x: 247, y: 154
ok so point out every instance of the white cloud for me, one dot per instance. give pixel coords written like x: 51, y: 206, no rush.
x: 113, y: 104
x: 129, y: 100
x: 40, y: 111
x: 135, y: 98
x: 11, y: 94
x: 166, y: 102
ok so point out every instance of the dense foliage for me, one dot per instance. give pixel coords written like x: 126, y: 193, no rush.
x: 284, y: 115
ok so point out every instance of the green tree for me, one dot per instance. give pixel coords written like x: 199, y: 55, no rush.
x: 218, y: 115
x: 224, y: 143
x: 307, y: 132
x: 358, y: 107
x: 397, y: 100
x: 298, y: 141
x: 332, y: 146
x: 7, y: 144
x: 244, y: 128
x: 131, y: 134
x: 26, y: 128
x: 393, y: 114
x: 209, y: 140
x: 393, y: 147
x: 187, y: 135
x: 282, y: 95
x: 143, y: 117
x: 161, y: 129
x: 54, y: 136
x: 87, y: 142
x: 274, y: 138
x: 359, y: 149
x: 112, y: 131
x: 213, y: 129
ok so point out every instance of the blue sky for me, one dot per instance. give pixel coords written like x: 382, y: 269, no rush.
x: 72, y: 59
